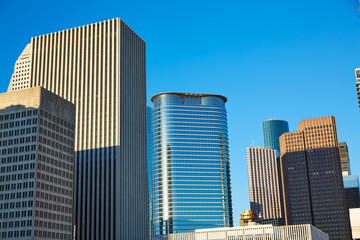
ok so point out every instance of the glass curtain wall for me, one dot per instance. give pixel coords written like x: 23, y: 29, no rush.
x: 191, y: 173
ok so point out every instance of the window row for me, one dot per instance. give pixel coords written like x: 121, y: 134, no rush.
x: 16, y: 224
x: 18, y: 132
x: 17, y: 124
x: 19, y: 167
x: 57, y: 120
x: 53, y: 215
x: 15, y: 234
x: 11, y: 116
x: 16, y: 141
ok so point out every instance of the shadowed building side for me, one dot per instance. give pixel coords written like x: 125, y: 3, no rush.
x: 37, y: 161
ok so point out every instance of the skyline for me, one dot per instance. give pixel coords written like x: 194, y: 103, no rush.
x: 314, y: 44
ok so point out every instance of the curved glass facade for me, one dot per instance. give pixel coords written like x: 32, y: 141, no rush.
x: 191, y: 174
x: 272, y: 130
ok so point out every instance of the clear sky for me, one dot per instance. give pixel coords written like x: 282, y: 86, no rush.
x: 285, y: 59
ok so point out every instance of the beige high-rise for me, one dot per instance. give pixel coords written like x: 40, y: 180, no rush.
x: 101, y: 69
x: 264, y: 189
x: 21, y: 76
x: 357, y: 75
x: 344, y: 158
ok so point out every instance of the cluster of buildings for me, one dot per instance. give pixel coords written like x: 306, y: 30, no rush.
x: 307, y: 178
x: 82, y: 157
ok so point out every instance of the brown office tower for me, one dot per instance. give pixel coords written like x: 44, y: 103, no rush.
x: 312, y: 179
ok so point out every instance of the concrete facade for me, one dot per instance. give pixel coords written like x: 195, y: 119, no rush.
x: 257, y: 232
x: 101, y: 69
x: 355, y: 222
x: 37, y: 165
x: 21, y: 76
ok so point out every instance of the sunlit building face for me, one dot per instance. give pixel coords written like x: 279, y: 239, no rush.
x: 191, y: 175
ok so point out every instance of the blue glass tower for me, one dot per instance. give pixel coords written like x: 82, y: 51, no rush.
x: 351, y: 185
x: 149, y: 134
x: 272, y: 130
x: 191, y: 163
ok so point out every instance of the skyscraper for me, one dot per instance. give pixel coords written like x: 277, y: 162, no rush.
x: 357, y: 74
x: 351, y: 182
x: 37, y: 165
x: 272, y: 130
x: 312, y: 179
x: 101, y: 69
x: 344, y: 158
x: 149, y: 135
x: 21, y: 76
x: 191, y: 163
x: 351, y: 185
x: 264, y: 189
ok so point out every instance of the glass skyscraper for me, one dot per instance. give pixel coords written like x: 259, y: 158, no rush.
x: 272, y: 130
x: 351, y: 185
x: 191, y: 163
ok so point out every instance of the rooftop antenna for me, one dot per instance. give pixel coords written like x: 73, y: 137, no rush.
x: 253, y: 143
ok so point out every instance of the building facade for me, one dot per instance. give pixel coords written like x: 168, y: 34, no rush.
x: 101, y: 69
x: 21, y: 76
x: 355, y: 222
x: 191, y: 163
x: 272, y: 130
x: 149, y: 136
x: 37, y: 165
x: 257, y: 232
x: 264, y: 189
x: 357, y: 75
x: 312, y: 179
x: 344, y: 158
x: 351, y: 185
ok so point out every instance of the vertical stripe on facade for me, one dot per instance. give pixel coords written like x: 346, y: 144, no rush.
x: 101, y: 68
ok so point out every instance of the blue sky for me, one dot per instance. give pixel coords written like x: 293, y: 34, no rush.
x: 286, y: 59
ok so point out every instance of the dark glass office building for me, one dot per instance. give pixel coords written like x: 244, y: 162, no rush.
x: 351, y: 185
x: 272, y: 130
x: 312, y: 180
x: 191, y: 174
